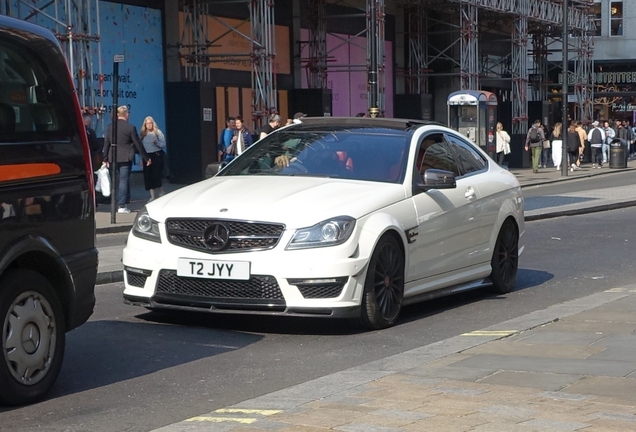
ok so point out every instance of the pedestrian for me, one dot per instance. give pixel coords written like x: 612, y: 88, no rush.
x: 556, y: 144
x: 299, y: 116
x: 128, y: 144
x: 630, y: 137
x: 93, y: 143
x: 154, y: 143
x: 546, y: 153
x: 273, y: 123
x: 609, y: 136
x: 242, y: 138
x: 596, y: 137
x: 623, y: 135
x: 574, y: 146
x: 584, y: 142
x: 534, y: 143
x: 503, y: 143
x: 225, y: 141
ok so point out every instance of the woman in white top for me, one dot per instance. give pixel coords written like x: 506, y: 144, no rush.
x: 557, y: 144
x: 154, y: 142
x: 503, y: 143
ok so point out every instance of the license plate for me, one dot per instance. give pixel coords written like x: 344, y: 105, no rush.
x: 209, y: 269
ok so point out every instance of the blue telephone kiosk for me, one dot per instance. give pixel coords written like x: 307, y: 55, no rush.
x: 473, y: 113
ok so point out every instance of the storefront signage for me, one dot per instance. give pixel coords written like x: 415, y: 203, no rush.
x: 605, y: 78
x: 623, y: 107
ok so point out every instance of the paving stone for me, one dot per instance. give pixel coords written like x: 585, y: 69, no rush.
x: 543, y: 381
x: 363, y: 427
x: 454, y: 373
x: 461, y: 391
x: 535, y: 350
x: 555, y: 426
x: 597, y: 327
x: 411, y: 415
x: 328, y: 418
x: 444, y: 423
x: 618, y: 341
x: 623, y: 389
x: 509, y: 411
x: 562, y: 338
x: 537, y: 364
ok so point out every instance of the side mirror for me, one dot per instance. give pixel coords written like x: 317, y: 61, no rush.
x: 437, y: 179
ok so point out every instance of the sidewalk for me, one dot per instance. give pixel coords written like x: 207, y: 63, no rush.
x: 570, y: 367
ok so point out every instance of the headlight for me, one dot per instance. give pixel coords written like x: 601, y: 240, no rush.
x: 326, y: 233
x: 146, y: 228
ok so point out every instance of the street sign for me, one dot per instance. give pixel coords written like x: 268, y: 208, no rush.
x: 118, y: 58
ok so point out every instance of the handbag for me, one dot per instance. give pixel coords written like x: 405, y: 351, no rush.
x: 506, y: 147
x: 546, y: 144
x: 103, y: 181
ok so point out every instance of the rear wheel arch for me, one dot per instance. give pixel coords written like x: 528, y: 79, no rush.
x: 36, y: 255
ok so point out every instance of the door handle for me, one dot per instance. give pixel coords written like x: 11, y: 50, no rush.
x: 470, y: 193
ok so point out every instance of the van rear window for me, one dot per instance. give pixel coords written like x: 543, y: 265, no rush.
x: 32, y: 104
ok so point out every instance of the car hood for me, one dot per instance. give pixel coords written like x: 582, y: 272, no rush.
x: 295, y: 201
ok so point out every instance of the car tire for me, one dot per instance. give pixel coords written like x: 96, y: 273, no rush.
x: 505, y: 259
x: 30, y: 365
x: 383, y: 286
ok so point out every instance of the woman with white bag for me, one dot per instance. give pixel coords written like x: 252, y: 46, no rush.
x: 557, y: 145
x: 503, y: 143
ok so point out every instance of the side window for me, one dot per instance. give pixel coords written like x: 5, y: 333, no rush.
x: 469, y: 159
x: 32, y: 105
x: 434, y: 152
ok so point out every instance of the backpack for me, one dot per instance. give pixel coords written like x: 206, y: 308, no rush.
x: 596, y: 137
x: 534, y: 135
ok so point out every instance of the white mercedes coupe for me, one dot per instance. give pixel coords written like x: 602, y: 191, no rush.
x: 332, y: 217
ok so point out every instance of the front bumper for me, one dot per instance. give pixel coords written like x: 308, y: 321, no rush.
x: 314, y: 282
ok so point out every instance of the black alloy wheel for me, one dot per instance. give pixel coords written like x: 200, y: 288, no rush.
x: 384, y: 285
x: 505, y: 259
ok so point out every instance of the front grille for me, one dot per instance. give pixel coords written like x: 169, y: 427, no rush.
x: 243, y: 236
x: 257, y: 287
x: 136, y: 279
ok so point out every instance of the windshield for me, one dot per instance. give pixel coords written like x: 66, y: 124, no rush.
x: 374, y: 154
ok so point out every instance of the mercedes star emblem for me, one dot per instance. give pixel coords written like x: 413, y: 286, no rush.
x: 217, y: 236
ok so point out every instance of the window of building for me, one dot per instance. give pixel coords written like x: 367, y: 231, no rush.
x: 616, y: 18
x: 596, y: 18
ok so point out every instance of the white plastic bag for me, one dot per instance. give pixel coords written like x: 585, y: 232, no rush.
x: 103, y: 181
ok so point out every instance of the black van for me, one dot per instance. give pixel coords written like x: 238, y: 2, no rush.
x: 48, y: 259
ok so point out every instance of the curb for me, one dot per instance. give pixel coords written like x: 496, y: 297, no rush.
x: 109, y: 277
x: 113, y: 229
x: 575, y: 212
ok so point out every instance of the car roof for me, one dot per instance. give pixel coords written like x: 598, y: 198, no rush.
x: 367, y: 122
x: 20, y: 26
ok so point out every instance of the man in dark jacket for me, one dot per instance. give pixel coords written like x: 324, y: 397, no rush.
x: 128, y: 144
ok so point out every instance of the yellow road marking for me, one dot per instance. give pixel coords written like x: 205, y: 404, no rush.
x: 222, y: 419
x: 620, y: 290
x: 491, y: 333
x: 248, y: 411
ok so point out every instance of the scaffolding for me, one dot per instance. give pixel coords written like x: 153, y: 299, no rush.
x: 317, y: 62
x: 72, y: 23
x: 442, y: 37
x: 195, y: 43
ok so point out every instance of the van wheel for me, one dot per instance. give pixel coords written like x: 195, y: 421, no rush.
x: 32, y: 338
x: 505, y: 259
x: 383, y: 286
